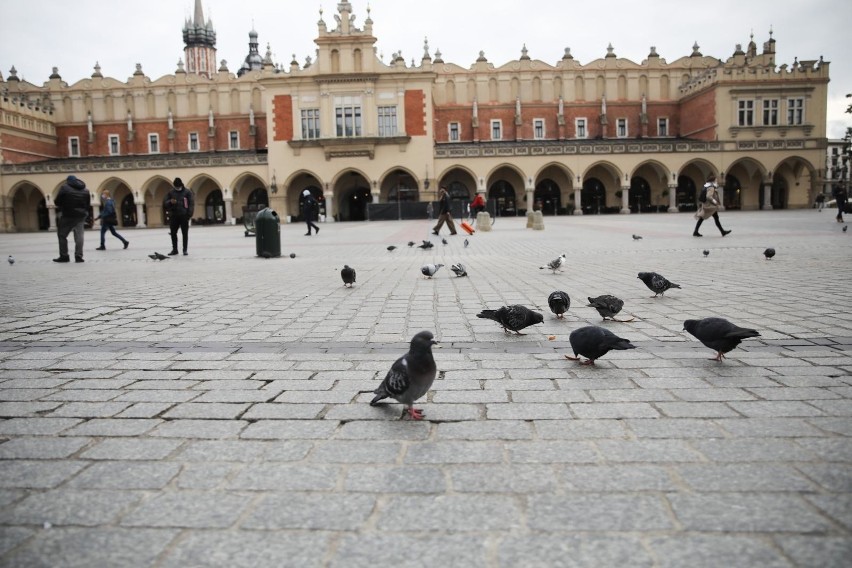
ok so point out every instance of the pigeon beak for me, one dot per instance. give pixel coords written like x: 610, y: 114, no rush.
x: 435, y: 343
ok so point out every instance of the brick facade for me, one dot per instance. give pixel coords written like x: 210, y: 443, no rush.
x: 282, y: 117
x: 415, y: 113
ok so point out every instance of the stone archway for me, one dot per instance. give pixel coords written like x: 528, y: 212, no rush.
x: 640, y: 195
x: 29, y: 209
x: 593, y: 196
x: 547, y: 197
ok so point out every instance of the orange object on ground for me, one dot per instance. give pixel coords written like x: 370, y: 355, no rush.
x: 467, y: 228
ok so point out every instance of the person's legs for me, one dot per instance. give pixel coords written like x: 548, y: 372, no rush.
x: 79, y: 234
x: 104, y: 228
x: 184, y: 230
x: 63, y: 229
x: 115, y: 234
x: 174, y: 223
x: 451, y: 225
x: 719, y: 224
x: 695, y: 233
x: 437, y: 228
x: 840, y: 206
x: 309, y: 225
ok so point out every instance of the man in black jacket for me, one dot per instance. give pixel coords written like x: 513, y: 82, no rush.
x: 180, y: 204
x: 72, y: 202
x: 444, y: 215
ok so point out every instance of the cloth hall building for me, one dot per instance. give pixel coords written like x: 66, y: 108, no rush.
x: 368, y: 136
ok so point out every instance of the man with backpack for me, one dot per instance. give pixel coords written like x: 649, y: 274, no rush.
x: 180, y: 204
x: 709, y: 199
x: 73, y: 203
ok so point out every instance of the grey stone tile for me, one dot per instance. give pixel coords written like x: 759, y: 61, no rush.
x: 10, y: 537
x: 606, y: 478
x: 834, y: 407
x: 516, y: 478
x: 82, y: 395
x: 211, y: 429
x: 244, y: 450
x: 527, y: 411
x: 26, y: 408
x: 829, y: 449
x: 838, y: 507
x: 486, y: 430
x: 159, y: 396
x: 99, y: 547
x: 545, y: 551
x: 205, y: 476
x: 580, y: 429
x: 455, y: 513
x: 43, y: 474
x: 450, y: 452
x: 657, y: 451
x: 743, y: 512
x: 776, y: 409
x: 447, y: 551
x: 89, y: 409
x: 126, y: 475
x: 356, y: 451
x: 190, y: 509
x: 289, y: 430
x: 542, y: 396
x: 752, y: 450
x: 145, y: 410
x: 113, y: 427
x: 397, y: 430
x: 674, y: 428
x: 131, y: 449
x: 631, y: 395
x: 552, y: 452
x: 280, y: 411
x: 834, y: 477
x: 279, y: 477
x: 768, y: 427
x: 247, y: 549
x: 842, y: 426
x: 70, y: 507
x: 393, y: 479
x: 41, y: 448
x: 696, y: 410
x: 597, y: 512
x: 331, y: 512
x: 616, y: 410
x: 811, y: 551
x: 743, y: 477
x: 707, y: 551
x: 208, y: 410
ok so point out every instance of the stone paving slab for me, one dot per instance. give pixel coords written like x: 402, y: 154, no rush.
x: 211, y: 410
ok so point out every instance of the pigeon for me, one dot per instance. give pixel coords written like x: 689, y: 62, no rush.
x: 608, y: 306
x: 348, y: 275
x: 429, y: 270
x: 411, y: 244
x: 559, y: 303
x: 555, y: 264
x: 391, y: 248
x: 706, y: 253
x: 718, y: 334
x: 411, y: 376
x: 769, y: 253
x: 292, y: 255
x: 443, y: 240
x: 594, y: 342
x: 656, y: 283
x: 11, y: 259
x: 467, y: 242
x: 459, y: 270
x: 426, y: 245
x: 845, y: 227
x: 158, y: 256
x: 512, y: 318
x: 637, y: 237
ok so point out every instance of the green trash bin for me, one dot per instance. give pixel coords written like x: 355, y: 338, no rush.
x: 267, y: 231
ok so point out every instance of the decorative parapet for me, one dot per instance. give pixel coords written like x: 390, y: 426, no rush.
x: 126, y: 163
x: 356, y: 146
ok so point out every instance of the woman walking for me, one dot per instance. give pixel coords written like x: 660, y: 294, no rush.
x: 709, y: 207
x: 109, y: 219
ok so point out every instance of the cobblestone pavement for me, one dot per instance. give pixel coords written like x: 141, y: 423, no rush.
x: 211, y: 410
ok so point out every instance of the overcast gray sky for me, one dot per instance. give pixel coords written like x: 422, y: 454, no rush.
x: 36, y: 35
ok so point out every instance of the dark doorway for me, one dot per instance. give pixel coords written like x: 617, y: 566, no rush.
x: 128, y: 212
x: 640, y: 195
x: 686, y: 197
x: 258, y: 199
x: 778, y: 195
x: 214, y: 207
x: 353, y: 205
x: 593, y: 196
x: 503, y: 193
x: 43, y: 215
x: 733, y: 191
x: 547, y: 197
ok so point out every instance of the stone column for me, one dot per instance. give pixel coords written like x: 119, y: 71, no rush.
x: 51, y: 214
x: 721, y: 191
x: 673, y: 198
x: 329, y: 206
x: 625, y: 200
x: 530, y: 193
x: 139, y: 200
x: 96, y: 210
x: 767, y: 196
x: 578, y: 205
x: 229, y: 211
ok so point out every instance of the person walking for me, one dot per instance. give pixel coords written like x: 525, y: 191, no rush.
x: 72, y: 202
x: 180, y: 203
x: 820, y: 201
x: 109, y: 219
x: 310, y: 208
x: 840, y: 196
x: 444, y: 215
x: 709, y: 206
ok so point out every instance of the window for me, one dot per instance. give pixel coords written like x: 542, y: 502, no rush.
x: 745, y: 113
x: 153, y: 143
x: 621, y: 128
x: 193, y: 141
x: 580, y: 127
x: 114, y: 145
x: 496, y: 130
x: 454, y: 132
x: 538, y: 128
x: 770, y: 112
x: 74, y: 146
x: 234, y: 140
x: 795, y: 111
x: 310, y: 124
x: 662, y: 127
x: 387, y: 121
x: 347, y: 114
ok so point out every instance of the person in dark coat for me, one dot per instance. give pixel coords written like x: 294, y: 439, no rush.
x: 72, y: 202
x: 839, y: 194
x: 180, y: 204
x: 310, y: 208
x: 444, y: 215
x: 109, y: 219
x: 709, y: 207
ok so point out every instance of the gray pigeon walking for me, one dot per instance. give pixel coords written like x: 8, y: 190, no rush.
x: 656, y: 283
x: 391, y: 248
x: 158, y: 256
x: 594, y: 342
x: 513, y: 318
x: 411, y: 244
x: 467, y: 242
x: 608, y: 307
x: 706, y: 253
x: 718, y: 334
x: 348, y: 275
x: 426, y: 245
x: 559, y: 302
x: 459, y: 270
x: 429, y: 270
x: 556, y: 264
x: 11, y: 259
x: 443, y: 240
x: 411, y: 376
x: 769, y: 253
x: 637, y: 237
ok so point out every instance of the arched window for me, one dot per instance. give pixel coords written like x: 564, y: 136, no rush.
x: 640, y: 194
x: 258, y: 199
x: 404, y: 188
x: 593, y: 195
x: 457, y: 190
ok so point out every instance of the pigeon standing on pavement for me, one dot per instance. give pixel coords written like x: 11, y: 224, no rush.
x: 11, y: 259
x: 467, y: 242
x: 513, y: 318
x: 769, y: 253
x: 559, y: 303
x: 459, y: 270
x: 443, y: 240
x: 556, y: 264
x: 157, y: 256
x: 411, y: 376
x: 594, y: 342
x: 426, y: 245
x: 608, y: 306
x: 391, y: 248
x: 845, y: 227
x: 656, y: 283
x: 429, y: 270
x: 637, y: 237
x: 348, y: 275
x: 706, y: 253
x: 411, y: 244
x: 718, y: 334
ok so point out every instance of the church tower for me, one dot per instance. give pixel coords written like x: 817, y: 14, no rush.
x: 200, y: 40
